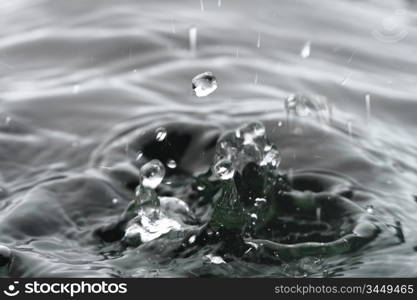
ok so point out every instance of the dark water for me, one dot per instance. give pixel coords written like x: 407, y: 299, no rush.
x: 85, y: 84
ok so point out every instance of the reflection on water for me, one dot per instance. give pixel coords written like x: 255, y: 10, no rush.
x: 93, y: 92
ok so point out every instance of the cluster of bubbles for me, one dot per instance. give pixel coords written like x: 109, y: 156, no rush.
x: 246, y: 144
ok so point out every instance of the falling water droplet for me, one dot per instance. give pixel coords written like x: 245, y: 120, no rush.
x: 368, y: 107
x: 349, y: 125
x: 255, y: 79
x: 305, y: 51
x: 202, y: 5
x: 204, y: 84
x: 254, y: 216
x: 161, y: 134
x: 347, y: 78
x: 152, y: 174
x: 115, y: 201
x: 139, y: 155
x: 223, y: 169
x: 318, y: 213
x: 192, y: 37
x: 258, y: 43
x: 192, y: 239
x: 219, y: 3
x: 369, y: 209
x: 171, y: 164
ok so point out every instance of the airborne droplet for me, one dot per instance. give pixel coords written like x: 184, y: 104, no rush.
x: 161, y: 134
x: 171, y: 164
x: 152, y: 173
x: 204, y: 84
x: 305, y: 51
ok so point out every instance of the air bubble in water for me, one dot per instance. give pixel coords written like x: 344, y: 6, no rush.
x: 171, y: 164
x: 223, y: 169
x: 152, y: 174
x: 161, y: 134
x: 305, y: 51
x: 204, y: 84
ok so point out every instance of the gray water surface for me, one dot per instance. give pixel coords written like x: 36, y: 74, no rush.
x: 85, y: 84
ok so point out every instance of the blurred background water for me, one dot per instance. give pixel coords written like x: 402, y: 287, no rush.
x: 79, y: 78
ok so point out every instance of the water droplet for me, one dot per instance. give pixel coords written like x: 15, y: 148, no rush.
x: 215, y: 259
x: 260, y: 201
x: 368, y: 107
x: 161, y: 134
x: 139, y: 155
x: 201, y: 5
x: 279, y: 123
x: 171, y: 164
x: 219, y: 3
x: 115, y: 201
x: 201, y: 188
x: 192, y: 36
x: 258, y: 43
x: 223, y: 169
x: 305, y: 51
x: 152, y: 174
x: 369, y: 209
x: 204, y: 84
x: 192, y: 239
x: 254, y: 216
